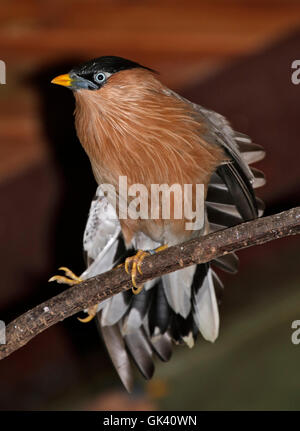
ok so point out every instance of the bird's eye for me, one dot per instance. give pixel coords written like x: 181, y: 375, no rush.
x: 100, y: 77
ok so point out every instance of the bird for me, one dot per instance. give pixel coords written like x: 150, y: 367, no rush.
x: 133, y: 126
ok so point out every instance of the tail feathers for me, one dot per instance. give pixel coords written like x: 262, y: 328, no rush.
x: 219, y: 193
x: 218, y: 216
x: 240, y: 189
x: 218, y: 285
x: 251, y: 153
x: 214, y: 227
x: 206, y: 313
x: 159, y: 312
x: 259, y: 178
x: 141, y: 352
x: 228, y: 263
x: 139, y: 307
x: 182, y: 330
x: 115, y: 345
x: 225, y: 208
x: 260, y: 206
x: 162, y: 346
x: 115, y: 308
x: 148, y: 323
x: 177, y: 288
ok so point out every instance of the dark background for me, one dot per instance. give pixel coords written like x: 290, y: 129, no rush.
x: 231, y: 56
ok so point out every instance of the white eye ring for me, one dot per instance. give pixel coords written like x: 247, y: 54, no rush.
x: 100, y: 77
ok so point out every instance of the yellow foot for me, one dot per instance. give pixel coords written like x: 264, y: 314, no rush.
x: 70, y: 278
x: 136, y: 262
x: 92, y: 311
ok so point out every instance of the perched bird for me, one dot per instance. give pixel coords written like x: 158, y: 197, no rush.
x: 133, y: 126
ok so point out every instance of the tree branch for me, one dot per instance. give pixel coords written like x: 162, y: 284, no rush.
x: 96, y: 289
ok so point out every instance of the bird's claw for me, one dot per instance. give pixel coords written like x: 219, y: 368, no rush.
x: 69, y: 278
x: 136, y: 262
x: 92, y: 311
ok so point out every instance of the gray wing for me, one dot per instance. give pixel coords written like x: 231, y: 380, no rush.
x: 221, y: 132
x: 236, y: 174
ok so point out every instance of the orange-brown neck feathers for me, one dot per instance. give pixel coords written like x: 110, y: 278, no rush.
x: 133, y: 127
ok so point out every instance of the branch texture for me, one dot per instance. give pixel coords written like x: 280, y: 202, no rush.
x: 94, y: 290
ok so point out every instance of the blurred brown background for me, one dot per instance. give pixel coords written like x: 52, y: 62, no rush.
x: 231, y: 56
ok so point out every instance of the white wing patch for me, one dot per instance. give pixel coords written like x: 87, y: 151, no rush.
x: 101, y: 238
x: 206, y: 313
x: 102, y: 225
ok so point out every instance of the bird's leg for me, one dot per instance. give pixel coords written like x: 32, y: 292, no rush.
x: 70, y: 278
x: 136, y: 262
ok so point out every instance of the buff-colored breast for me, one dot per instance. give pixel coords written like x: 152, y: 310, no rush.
x: 131, y: 127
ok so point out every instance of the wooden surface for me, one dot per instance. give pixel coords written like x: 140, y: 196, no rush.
x: 185, y: 41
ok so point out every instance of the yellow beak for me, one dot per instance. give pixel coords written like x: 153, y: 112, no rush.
x: 64, y: 80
